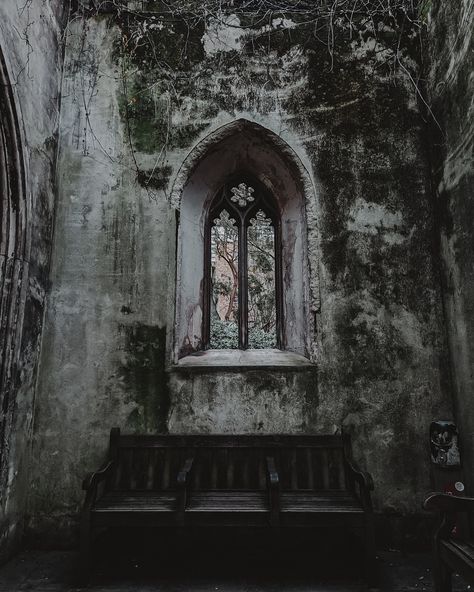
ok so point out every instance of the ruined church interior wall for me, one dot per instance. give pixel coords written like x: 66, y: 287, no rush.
x: 450, y: 83
x: 138, y: 96
x: 30, y: 44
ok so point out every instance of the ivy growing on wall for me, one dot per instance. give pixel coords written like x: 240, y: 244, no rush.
x: 173, y: 86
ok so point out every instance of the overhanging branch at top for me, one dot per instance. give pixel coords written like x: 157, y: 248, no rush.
x: 208, y: 7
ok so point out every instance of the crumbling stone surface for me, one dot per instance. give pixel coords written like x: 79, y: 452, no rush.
x: 138, y: 95
x: 30, y: 46
x: 451, y: 87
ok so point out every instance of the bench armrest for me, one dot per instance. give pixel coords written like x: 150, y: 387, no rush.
x: 362, y: 477
x: 446, y: 503
x: 185, y: 471
x: 273, y: 483
x: 272, y: 474
x: 92, y: 480
x: 447, y: 507
x: 364, y: 481
x: 182, y: 493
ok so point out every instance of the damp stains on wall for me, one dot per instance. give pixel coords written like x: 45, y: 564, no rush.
x: 143, y: 93
x: 450, y: 85
x: 268, y: 401
x: 30, y: 72
x: 144, y: 377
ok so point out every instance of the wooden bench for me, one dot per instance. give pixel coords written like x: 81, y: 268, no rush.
x: 451, y: 554
x: 187, y: 481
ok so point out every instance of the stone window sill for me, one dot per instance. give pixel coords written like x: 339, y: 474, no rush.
x: 233, y: 360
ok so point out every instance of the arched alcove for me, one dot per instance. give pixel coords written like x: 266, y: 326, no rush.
x: 245, y: 148
x: 14, y: 247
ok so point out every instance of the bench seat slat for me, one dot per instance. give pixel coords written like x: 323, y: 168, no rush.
x: 296, y: 502
x: 464, y: 550
x: 215, y: 501
x: 463, y: 547
x: 137, y: 501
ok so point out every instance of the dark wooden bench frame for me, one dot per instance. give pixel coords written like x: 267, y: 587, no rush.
x: 450, y: 555
x: 359, y: 484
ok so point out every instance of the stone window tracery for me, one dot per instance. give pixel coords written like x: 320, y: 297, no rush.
x: 243, y: 301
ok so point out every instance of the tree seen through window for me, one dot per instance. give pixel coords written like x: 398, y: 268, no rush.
x: 243, y: 267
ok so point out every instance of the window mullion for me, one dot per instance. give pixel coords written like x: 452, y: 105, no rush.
x: 278, y: 285
x: 206, y: 326
x: 243, y: 287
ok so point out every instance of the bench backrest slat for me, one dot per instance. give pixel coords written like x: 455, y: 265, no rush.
x: 305, y: 462
x: 229, y: 441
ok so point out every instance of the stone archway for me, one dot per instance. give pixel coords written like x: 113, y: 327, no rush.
x: 240, y: 126
x: 14, y: 251
x: 246, y: 146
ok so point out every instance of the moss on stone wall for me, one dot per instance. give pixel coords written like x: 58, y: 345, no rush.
x: 177, y: 79
x: 156, y: 57
x: 350, y: 112
x: 156, y: 178
x: 145, y: 377
x: 358, y: 108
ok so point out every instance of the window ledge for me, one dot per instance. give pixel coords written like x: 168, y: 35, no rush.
x: 237, y: 360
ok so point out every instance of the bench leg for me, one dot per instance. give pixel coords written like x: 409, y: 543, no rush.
x: 442, y: 579
x: 370, y: 562
x: 85, y: 551
x: 441, y: 573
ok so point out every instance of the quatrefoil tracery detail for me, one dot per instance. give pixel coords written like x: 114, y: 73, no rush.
x: 242, y: 194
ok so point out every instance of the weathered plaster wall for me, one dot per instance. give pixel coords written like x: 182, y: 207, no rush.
x: 131, y: 114
x: 450, y: 77
x: 103, y: 355
x: 30, y: 43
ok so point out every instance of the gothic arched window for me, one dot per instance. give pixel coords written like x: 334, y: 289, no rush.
x: 243, y: 276
x: 243, y: 301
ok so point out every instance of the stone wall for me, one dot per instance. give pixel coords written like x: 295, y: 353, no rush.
x: 450, y: 79
x: 30, y: 43
x: 138, y: 96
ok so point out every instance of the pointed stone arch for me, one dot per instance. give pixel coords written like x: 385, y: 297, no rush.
x: 14, y: 257
x: 234, y: 128
x: 247, y: 147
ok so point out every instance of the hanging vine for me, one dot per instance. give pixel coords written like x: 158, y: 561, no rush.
x: 165, y: 73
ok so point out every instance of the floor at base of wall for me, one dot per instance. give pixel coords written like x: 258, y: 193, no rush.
x: 54, y: 571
